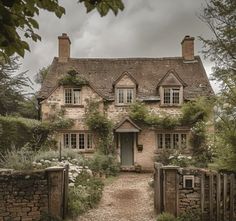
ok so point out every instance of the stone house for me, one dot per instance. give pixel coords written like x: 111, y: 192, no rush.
x: 162, y: 84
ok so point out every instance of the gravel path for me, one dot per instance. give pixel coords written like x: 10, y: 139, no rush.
x: 127, y: 198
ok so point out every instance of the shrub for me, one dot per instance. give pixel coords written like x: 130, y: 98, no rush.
x: 105, y: 164
x: 18, y: 159
x: 190, y: 215
x: 166, y: 217
x: 85, y: 194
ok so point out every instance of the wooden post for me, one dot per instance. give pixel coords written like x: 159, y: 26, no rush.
x: 211, y: 185
x: 202, y: 194
x: 232, y: 193
x: 55, y: 182
x: 158, y: 188
x: 66, y: 185
x: 218, y: 194
x: 225, y: 197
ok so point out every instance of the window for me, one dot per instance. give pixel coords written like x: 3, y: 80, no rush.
x: 72, y: 96
x: 171, y: 140
x: 171, y: 96
x: 188, y: 181
x: 125, y: 95
x: 81, y: 141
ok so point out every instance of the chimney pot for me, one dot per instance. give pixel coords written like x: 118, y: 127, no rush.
x: 63, y: 48
x: 188, y: 48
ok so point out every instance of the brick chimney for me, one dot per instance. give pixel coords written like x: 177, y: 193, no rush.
x: 64, y: 48
x: 188, y: 48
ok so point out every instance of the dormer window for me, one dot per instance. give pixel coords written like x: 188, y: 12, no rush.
x: 171, y: 96
x: 72, y: 96
x: 125, y: 95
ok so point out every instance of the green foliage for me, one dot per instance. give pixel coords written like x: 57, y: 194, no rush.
x: 19, y: 14
x: 72, y: 78
x: 100, y: 125
x: 17, y: 159
x: 139, y: 113
x: 103, y: 6
x: 17, y: 131
x: 220, y: 16
x: 195, y: 111
x: 86, y: 194
x: 41, y: 75
x: 105, y: 164
x: 190, y: 215
x: 166, y: 217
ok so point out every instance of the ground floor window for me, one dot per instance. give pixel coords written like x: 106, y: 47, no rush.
x: 78, y: 140
x: 171, y: 140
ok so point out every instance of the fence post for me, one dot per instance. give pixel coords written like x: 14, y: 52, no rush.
x: 225, y: 197
x: 232, y: 193
x: 55, y: 177
x: 218, y: 194
x: 158, y: 183
x: 202, y: 194
x: 66, y: 185
x: 211, y: 186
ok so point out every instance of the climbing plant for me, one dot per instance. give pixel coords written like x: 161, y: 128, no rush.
x: 72, y: 78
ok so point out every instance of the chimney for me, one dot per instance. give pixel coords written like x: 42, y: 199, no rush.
x: 64, y: 48
x: 188, y: 48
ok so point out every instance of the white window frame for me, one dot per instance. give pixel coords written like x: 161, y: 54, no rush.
x: 172, y: 91
x: 125, y: 95
x: 73, y: 92
x: 161, y: 138
x: 87, y: 140
x: 188, y: 178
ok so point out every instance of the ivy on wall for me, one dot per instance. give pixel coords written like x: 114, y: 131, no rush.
x: 72, y: 78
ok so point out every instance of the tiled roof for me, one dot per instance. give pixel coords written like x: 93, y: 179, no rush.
x: 147, y: 72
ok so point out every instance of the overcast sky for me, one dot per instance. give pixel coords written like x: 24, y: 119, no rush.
x: 146, y: 28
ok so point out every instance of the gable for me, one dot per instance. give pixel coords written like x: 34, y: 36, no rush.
x: 125, y: 79
x: 127, y: 125
x: 171, y: 78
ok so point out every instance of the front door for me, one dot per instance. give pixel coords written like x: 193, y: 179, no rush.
x: 127, y: 153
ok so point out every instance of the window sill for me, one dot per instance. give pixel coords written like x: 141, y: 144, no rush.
x: 73, y: 105
x: 81, y: 150
x: 123, y: 105
x: 170, y: 105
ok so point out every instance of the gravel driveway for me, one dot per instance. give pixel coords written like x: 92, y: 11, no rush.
x: 127, y: 198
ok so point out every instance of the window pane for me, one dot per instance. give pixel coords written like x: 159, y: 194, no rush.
x: 89, y: 141
x: 160, y: 141
x: 166, y: 96
x: 76, y: 96
x: 183, y: 140
x: 68, y: 96
x: 73, y: 141
x: 66, y: 143
x: 175, y: 140
x: 129, y: 95
x: 81, y: 141
x: 168, y: 141
x: 175, y: 94
x: 121, y: 96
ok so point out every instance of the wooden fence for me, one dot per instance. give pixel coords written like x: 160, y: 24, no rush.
x: 177, y: 190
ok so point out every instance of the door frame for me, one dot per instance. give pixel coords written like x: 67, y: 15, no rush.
x: 132, y: 137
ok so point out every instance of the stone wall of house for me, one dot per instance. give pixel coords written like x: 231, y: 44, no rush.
x: 25, y: 196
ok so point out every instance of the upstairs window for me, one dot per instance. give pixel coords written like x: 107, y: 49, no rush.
x: 125, y: 96
x: 171, y: 140
x: 72, y: 96
x: 171, y: 96
x: 81, y: 141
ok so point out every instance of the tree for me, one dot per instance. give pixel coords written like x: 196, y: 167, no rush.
x: 19, y: 16
x: 12, y: 99
x: 220, y: 15
x: 41, y: 75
